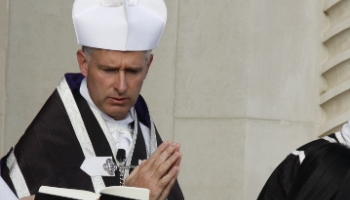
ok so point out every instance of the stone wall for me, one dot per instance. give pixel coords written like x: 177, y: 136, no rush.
x: 237, y: 83
x: 336, y: 69
x: 4, y: 13
x: 284, y: 84
x: 241, y: 90
x: 42, y: 48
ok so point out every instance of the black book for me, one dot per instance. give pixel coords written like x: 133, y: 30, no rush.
x: 109, y: 193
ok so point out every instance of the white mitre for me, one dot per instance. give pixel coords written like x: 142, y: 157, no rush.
x: 124, y: 25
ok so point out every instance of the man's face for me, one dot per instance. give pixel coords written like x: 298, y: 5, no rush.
x: 114, y: 78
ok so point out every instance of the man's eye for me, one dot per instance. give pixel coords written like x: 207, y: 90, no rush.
x: 133, y: 71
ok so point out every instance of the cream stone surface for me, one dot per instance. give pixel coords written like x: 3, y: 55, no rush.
x: 338, y: 12
x: 338, y: 43
x: 338, y: 74
x: 4, y: 12
x: 336, y: 69
x: 336, y: 29
x: 211, y: 75
x: 334, y: 91
x: 283, y: 53
x: 330, y: 3
x: 268, y: 142
x: 238, y: 83
x: 335, y: 128
x: 335, y: 100
x: 212, y: 166
x: 333, y: 124
x: 158, y: 88
x: 336, y: 61
x: 42, y: 48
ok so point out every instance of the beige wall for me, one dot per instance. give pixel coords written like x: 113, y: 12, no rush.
x: 42, y: 48
x: 241, y: 91
x: 335, y: 97
x: 4, y: 13
x: 284, y: 84
x: 237, y: 83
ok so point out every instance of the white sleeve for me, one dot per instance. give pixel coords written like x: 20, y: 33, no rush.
x: 345, y: 132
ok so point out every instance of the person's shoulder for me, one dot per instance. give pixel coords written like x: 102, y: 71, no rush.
x: 52, y: 110
x: 280, y: 181
x: 51, y: 119
x: 296, y: 157
x: 332, y: 138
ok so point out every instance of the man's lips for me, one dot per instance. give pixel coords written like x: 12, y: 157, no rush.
x: 118, y: 100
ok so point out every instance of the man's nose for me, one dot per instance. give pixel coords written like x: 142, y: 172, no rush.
x: 120, y: 82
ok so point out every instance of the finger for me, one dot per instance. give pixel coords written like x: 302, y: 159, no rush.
x: 178, y: 147
x: 178, y: 162
x: 133, y: 175
x: 135, y: 171
x: 157, y: 153
x: 164, y: 195
x: 168, y: 181
x: 165, y: 155
x: 164, y: 168
x: 147, y: 169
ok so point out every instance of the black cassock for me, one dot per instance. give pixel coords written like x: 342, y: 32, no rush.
x: 49, y: 153
x: 280, y: 182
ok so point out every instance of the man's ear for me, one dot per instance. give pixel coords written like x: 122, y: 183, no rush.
x: 83, y: 62
x: 150, y: 59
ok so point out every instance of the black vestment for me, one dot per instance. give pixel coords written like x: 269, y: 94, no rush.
x: 280, y: 182
x: 50, y: 154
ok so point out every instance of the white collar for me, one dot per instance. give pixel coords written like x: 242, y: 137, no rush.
x: 110, y: 122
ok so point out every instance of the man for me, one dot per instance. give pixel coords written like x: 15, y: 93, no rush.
x: 96, y: 122
x: 281, y: 180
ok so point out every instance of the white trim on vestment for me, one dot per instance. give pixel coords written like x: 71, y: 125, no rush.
x: 301, y: 155
x: 329, y: 139
x: 17, y: 177
x: 153, y: 140
x: 79, y: 128
x: 340, y: 138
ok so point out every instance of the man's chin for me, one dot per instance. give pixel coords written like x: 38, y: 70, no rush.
x: 118, y: 116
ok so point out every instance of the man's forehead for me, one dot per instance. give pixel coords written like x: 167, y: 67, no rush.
x: 117, y: 51
x: 110, y: 57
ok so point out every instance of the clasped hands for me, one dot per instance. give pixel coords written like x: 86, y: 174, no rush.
x: 159, y: 172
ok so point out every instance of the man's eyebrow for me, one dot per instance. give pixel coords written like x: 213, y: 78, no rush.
x: 131, y: 67
x: 108, y: 66
x: 136, y: 66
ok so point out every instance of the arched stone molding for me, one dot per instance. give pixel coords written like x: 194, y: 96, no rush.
x: 336, y: 99
x: 330, y: 3
x: 337, y: 11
